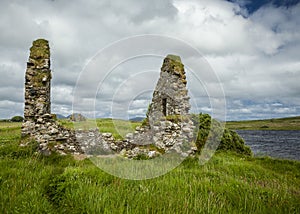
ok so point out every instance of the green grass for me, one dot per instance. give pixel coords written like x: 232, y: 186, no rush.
x: 9, y: 131
x: 290, y: 123
x: 228, y: 183
x: 119, y: 128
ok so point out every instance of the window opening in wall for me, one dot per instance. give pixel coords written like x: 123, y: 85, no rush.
x: 164, y: 106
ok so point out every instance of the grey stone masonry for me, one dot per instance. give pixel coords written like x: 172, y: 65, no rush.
x: 37, y: 85
x: 38, y: 121
x: 170, y: 96
x: 169, y: 128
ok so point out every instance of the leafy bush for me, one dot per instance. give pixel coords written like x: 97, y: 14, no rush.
x: 203, y: 123
x: 230, y: 140
x: 141, y: 156
x: 17, y: 119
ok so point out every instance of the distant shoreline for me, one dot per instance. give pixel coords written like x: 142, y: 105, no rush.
x: 288, y: 123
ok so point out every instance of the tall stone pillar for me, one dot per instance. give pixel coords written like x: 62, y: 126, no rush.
x: 38, y: 122
x: 170, y: 96
x: 37, y: 85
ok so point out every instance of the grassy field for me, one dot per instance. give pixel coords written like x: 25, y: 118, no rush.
x: 228, y: 183
x: 291, y: 123
x: 119, y: 128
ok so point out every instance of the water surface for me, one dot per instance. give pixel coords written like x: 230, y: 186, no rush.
x: 278, y: 144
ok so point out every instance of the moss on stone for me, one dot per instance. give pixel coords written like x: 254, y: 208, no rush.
x: 37, y: 79
x: 152, y: 147
x: 40, y: 49
x: 176, y: 118
x: 145, y: 122
x: 174, y: 57
x: 177, y: 66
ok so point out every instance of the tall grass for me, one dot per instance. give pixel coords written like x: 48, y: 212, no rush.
x: 228, y: 183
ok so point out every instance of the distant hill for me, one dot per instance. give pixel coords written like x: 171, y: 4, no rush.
x: 288, y: 123
x: 60, y: 116
x: 137, y: 119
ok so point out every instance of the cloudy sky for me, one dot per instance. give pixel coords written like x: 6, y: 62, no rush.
x: 251, y: 47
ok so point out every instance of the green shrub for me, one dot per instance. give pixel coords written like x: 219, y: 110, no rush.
x: 145, y: 122
x: 264, y: 127
x: 210, y: 128
x: 17, y: 119
x: 231, y: 141
x: 141, y: 156
x: 203, y: 123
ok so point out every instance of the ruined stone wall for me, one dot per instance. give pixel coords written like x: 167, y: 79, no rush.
x: 38, y: 121
x: 164, y: 137
x: 170, y: 96
x: 165, y: 133
x: 37, y: 85
x: 160, y: 136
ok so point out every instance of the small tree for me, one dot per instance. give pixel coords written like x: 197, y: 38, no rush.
x: 17, y: 119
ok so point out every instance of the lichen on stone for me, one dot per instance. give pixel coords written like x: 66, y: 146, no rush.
x: 174, y: 57
x: 37, y: 79
x: 40, y: 49
x: 177, y: 66
x: 175, y: 118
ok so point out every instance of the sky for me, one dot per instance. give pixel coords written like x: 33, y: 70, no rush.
x: 250, y: 48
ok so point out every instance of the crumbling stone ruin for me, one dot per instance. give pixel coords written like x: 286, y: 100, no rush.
x: 38, y: 121
x: 37, y: 85
x: 167, y: 128
x: 170, y: 96
x: 77, y: 117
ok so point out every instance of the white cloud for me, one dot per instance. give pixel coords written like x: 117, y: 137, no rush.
x: 256, y: 56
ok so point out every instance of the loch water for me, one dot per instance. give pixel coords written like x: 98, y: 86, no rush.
x: 278, y: 144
